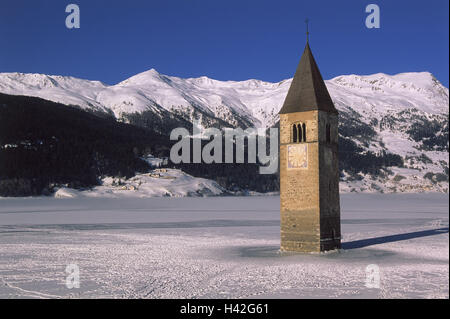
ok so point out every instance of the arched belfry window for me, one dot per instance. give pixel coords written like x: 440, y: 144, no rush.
x: 300, y: 135
x: 304, y: 132
x: 298, y: 132
x: 294, y: 133
x: 328, y: 133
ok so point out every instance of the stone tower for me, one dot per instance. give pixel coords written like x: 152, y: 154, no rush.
x: 309, y: 166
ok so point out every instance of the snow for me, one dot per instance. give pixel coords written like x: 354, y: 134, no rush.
x: 157, y: 183
x: 62, y: 89
x: 366, y: 98
x: 154, y: 161
x: 65, y: 192
x: 255, y: 100
x: 219, y: 247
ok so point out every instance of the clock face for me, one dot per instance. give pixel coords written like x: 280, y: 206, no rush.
x: 297, y: 156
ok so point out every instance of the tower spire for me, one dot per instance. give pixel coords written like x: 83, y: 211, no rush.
x: 308, y: 91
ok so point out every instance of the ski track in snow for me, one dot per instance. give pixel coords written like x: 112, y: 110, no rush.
x: 218, y: 248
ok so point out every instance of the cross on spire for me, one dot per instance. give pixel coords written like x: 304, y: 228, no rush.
x: 307, y: 30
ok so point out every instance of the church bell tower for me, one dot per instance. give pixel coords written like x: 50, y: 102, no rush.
x: 309, y: 165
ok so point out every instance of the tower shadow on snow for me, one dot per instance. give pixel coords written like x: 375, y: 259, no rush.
x: 274, y: 251
x: 393, y: 238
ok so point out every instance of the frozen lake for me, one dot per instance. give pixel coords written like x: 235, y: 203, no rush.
x: 219, y: 247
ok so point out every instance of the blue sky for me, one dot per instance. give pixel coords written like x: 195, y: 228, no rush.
x: 225, y: 40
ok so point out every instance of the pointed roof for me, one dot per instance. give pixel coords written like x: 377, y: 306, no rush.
x: 308, y: 91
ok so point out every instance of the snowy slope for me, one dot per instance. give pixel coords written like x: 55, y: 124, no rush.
x: 251, y: 101
x: 61, y: 89
x: 156, y: 183
x: 404, y: 114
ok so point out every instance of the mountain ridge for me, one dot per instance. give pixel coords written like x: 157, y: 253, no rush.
x: 153, y: 89
x: 405, y: 114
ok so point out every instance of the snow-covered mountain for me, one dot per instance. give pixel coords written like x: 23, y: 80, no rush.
x: 404, y: 114
x: 252, y: 102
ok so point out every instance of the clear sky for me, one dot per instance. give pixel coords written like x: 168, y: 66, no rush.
x: 225, y: 40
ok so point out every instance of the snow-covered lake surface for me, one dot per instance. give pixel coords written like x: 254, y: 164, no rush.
x: 219, y: 247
